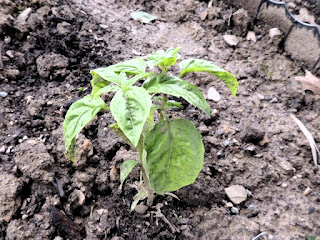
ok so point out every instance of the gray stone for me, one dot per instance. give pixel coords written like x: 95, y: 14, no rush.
x: 141, y: 209
x: 226, y: 143
x: 236, y: 193
x: 231, y: 40
x: 251, y: 207
x: 235, y: 210
x: 285, y: 165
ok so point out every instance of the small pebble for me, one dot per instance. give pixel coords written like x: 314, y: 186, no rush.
x: 249, y: 193
x: 307, y: 191
x: 3, y: 149
x: 284, y: 185
x: 251, y: 207
x: 235, y: 210
x: 141, y: 209
x: 311, y: 209
x: 270, y: 237
x: 3, y: 94
x: 24, y: 216
x: 229, y: 205
x: 219, y: 132
x: 9, y: 149
x: 58, y: 238
x: 274, y: 100
x: 226, y: 143
x: 183, y: 221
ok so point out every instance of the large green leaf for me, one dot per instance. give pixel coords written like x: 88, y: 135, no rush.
x: 163, y: 58
x: 177, y: 87
x: 175, y: 154
x: 130, y: 67
x: 197, y: 65
x: 125, y: 170
x: 131, y: 108
x: 79, y: 114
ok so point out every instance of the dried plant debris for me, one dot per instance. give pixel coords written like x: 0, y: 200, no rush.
x: 314, y: 148
x: 309, y: 82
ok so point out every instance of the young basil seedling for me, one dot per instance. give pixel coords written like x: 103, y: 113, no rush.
x: 171, y: 151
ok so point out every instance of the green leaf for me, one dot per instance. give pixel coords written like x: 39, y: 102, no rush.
x: 138, y: 197
x: 177, y: 87
x: 125, y: 170
x: 130, y: 67
x: 175, y: 154
x: 97, y: 86
x: 131, y: 108
x: 143, y: 17
x: 109, y: 88
x: 197, y: 65
x: 172, y: 104
x: 79, y: 115
x: 308, y: 237
x: 138, y: 77
x: 108, y: 75
x: 163, y: 58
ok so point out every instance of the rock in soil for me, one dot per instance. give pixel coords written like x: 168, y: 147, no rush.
x: 10, y: 199
x: 236, y: 193
x: 52, y: 64
x: 34, y: 161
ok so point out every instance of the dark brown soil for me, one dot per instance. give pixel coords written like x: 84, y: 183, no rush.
x: 44, y: 67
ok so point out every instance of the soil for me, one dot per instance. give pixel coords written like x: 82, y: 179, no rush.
x: 47, y: 49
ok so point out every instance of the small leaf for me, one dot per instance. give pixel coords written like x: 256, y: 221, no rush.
x: 131, y: 108
x: 138, y: 197
x: 197, y: 65
x: 308, y: 237
x: 138, y: 77
x: 107, y: 75
x: 177, y: 87
x: 310, y: 82
x: 143, y: 17
x: 109, y: 88
x: 130, y: 67
x: 125, y: 170
x: 79, y: 115
x: 175, y: 154
x: 173, y: 104
x: 163, y: 58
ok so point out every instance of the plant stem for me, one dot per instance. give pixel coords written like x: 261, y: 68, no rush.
x: 145, y: 178
x: 163, y: 114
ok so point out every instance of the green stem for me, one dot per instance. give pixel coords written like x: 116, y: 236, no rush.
x: 145, y: 178
x: 164, y: 69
